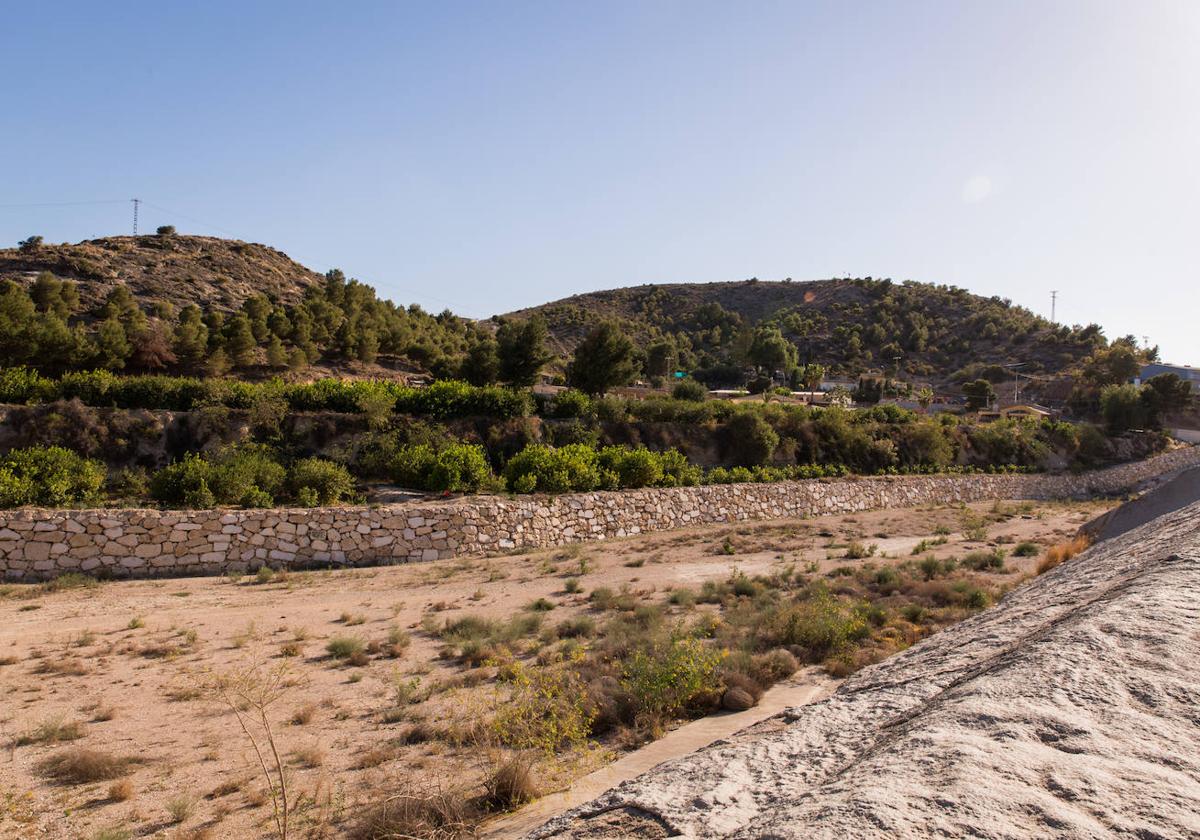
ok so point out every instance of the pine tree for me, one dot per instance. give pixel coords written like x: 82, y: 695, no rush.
x: 297, y: 359
x: 604, y: 359
x: 151, y: 349
x: 367, y: 345
x: 239, y: 340
x: 217, y: 363
x: 481, y: 365
x: 16, y: 315
x: 522, y: 349
x: 112, y: 344
x: 277, y: 356
x: 50, y: 294
x: 257, y: 309
x: 191, y: 337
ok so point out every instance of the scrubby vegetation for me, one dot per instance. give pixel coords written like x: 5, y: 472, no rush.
x: 441, y: 711
x: 942, y: 333
x: 93, y: 366
x: 250, y: 476
x: 324, y: 442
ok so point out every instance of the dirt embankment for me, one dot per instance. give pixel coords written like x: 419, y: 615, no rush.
x: 1067, y: 711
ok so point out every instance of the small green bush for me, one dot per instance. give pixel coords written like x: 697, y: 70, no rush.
x: 665, y: 676
x: 344, y: 647
x: 247, y: 475
x: 822, y: 624
x: 689, y: 390
x: 327, y: 482
x: 982, y: 561
x: 452, y: 467
x: 578, y: 467
x: 48, y: 475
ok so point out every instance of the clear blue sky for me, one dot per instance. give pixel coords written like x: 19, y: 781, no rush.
x: 487, y: 156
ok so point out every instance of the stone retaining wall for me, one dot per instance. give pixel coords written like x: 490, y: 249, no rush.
x: 37, y: 544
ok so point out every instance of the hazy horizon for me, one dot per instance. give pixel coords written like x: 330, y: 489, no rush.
x: 486, y: 158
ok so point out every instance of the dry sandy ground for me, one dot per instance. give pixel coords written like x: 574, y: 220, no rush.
x: 131, y: 662
x: 1069, y: 710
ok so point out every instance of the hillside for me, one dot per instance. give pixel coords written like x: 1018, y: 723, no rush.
x: 850, y: 326
x: 213, y: 273
x: 925, y: 333
x: 200, y: 305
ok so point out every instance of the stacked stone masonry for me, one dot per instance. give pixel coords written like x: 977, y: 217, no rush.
x: 37, y: 544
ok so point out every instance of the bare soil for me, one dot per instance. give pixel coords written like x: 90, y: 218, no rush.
x: 126, y: 668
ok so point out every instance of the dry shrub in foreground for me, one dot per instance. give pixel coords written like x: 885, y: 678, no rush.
x: 52, y: 730
x: 120, y: 790
x: 510, y: 784
x: 249, y: 693
x: 1056, y: 554
x: 79, y: 765
x: 432, y: 813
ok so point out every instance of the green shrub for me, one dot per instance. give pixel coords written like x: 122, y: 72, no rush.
x: 327, y: 482
x: 1026, y: 549
x: 578, y: 467
x: 307, y: 497
x: 21, y: 385
x: 48, y: 475
x: 459, y: 467
x: 689, y: 390
x: 666, y: 676
x: 453, y: 467
x: 246, y: 475
x: 752, y: 441
x: 344, y: 647
x: 985, y: 560
x: 542, y: 709
x: 632, y: 467
x: 567, y: 404
x: 183, y: 482
x: 857, y: 551
x: 822, y: 624
x: 549, y: 470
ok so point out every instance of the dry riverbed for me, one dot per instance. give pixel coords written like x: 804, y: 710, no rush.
x: 132, y: 709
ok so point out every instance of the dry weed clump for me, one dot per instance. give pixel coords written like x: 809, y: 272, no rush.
x: 432, y: 812
x: 510, y: 784
x: 79, y: 765
x: 180, y: 807
x: 69, y: 666
x: 309, y: 757
x: 1057, y: 554
x: 303, y: 715
x: 53, y: 730
x: 120, y: 790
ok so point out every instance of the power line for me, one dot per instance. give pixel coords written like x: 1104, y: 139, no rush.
x: 64, y: 203
x: 191, y: 219
x: 318, y: 263
x: 202, y: 223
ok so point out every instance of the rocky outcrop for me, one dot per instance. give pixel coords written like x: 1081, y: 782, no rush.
x: 1069, y: 710
x: 37, y: 544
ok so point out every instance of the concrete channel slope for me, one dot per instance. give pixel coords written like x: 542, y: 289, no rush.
x: 1072, y: 709
x: 1176, y: 492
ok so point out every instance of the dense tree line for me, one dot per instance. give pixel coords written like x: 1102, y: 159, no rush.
x: 901, y: 328
x: 44, y: 327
